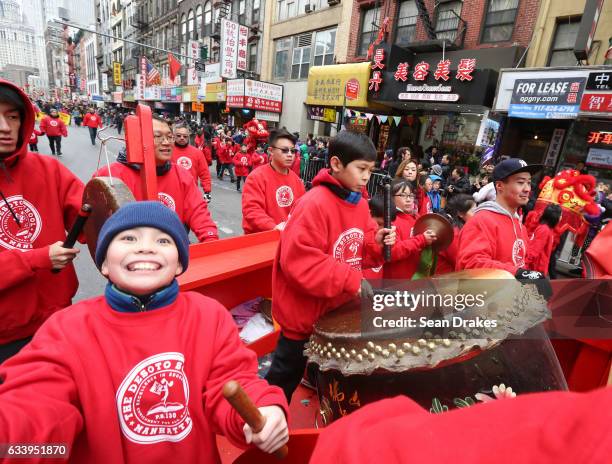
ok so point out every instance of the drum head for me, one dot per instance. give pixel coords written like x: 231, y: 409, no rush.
x: 440, y: 225
x: 104, y: 198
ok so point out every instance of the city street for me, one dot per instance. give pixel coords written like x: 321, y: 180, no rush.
x: 82, y: 159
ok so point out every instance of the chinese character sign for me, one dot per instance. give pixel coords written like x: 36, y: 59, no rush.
x: 596, y: 103
x: 229, y: 49
x: 194, y: 54
x: 117, y: 73
x: 242, y: 62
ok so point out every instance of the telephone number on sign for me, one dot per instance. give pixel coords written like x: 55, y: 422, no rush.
x: 29, y: 450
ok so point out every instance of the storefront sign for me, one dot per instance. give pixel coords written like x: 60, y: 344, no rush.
x: 197, y: 107
x: 267, y: 116
x: 104, y: 82
x: 597, y: 137
x: 552, y: 98
x: 116, y: 73
x: 599, y: 158
x: 444, y: 97
x: 554, y: 148
x: 152, y: 93
x: 243, y: 35
x: 229, y: 48
x: 596, y: 103
x: 320, y: 113
x: 171, y: 94
x: 327, y: 85
x: 140, y: 86
x: 215, y: 92
x: 257, y: 95
x: 599, y: 81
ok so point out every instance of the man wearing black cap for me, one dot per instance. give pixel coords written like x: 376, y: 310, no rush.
x: 39, y: 201
x: 495, y: 237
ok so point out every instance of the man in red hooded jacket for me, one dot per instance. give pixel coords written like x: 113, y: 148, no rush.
x: 55, y: 129
x: 39, y: 201
x: 93, y: 121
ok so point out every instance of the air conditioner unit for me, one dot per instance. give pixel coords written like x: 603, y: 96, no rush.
x: 333, y: 2
x: 309, y: 8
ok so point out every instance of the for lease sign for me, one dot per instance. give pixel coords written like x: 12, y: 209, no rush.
x: 551, y: 98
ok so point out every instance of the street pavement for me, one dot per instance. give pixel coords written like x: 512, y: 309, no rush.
x: 83, y: 159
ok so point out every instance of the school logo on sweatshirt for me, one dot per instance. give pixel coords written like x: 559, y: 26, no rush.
x: 152, y: 400
x: 347, y: 248
x: 166, y: 200
x: 519, y: 252
x: 184, y: 162
x: 53, y: 123
x: 284, y: 196
x: 20, y: 223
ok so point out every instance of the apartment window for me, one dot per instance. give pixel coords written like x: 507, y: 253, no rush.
x: 183, y: 27
x: 207, y: 18
x: 447, y: 20
x: 287, y: 9
x: 499, y: 22
x: 281, y: 61
x: 406, y: 22
x: 190, y: 24
x: 369, y: 28
x: 241, y: 11
x: 324, y: 47
x: 256, y: 6
x: 253, y: 57
x: 198, y: 22
x: 301, y: 56
x: 562, y: 50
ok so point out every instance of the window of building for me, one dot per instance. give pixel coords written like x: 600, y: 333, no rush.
x: 300, y: 64
x: 183, y: 27
x: 287, y: 9
x: 324, y: 47
x: 207, y: 30
x: 447, y: 20
x: 190, y: 25
x: 253, y: 57
x: 562, y: 50
x: 406, y: 22
x: 369, y: 28
x: 242, y: 11
x: 281, y: 58
x: 499, y: 21
x: 256, y: 6
x: 198, y: 21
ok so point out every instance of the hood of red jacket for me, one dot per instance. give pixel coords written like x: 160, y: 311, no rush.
x: 324, y: 175
x: 27, y: 125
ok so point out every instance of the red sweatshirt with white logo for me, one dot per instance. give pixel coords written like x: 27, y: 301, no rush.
x: 121, y: 387
x: 406, y: 252
x: 258, y: 159
x: 323, y: 248
x: 53, y: 127
x: 193, y: 160
x: 92, y: 120
x: 176, y: 190
x: 42, y: 199
x: 242, y: 161
x: 492, y: 239
x: 268, y: 197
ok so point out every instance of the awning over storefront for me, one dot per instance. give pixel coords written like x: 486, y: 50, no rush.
x: 327, y: 84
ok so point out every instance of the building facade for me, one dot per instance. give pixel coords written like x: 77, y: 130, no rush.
x: 18, y: 44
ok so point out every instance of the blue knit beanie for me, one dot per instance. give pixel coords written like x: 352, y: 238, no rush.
x: 144, y: 214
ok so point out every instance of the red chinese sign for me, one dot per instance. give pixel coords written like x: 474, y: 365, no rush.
x: 379, y: 57
x: 596, y: 137
x: 464, y: 71
x: 596, y: 103
x: 375, y: 81
x: 352, y: 89
x: 243, y: 33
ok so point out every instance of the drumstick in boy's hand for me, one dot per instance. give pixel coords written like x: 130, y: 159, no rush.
x: 240, y: 401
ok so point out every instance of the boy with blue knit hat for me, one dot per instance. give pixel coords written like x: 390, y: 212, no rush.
x: 136, y: 375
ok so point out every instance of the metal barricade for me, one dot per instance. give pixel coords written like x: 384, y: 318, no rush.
x: 313, y: 166
x: 375, y: 183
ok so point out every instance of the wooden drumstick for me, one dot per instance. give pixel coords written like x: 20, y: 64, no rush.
x: 76, y: 229
x: 240, y: 401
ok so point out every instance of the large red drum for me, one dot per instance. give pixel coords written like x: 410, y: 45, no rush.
x: 442, y: 369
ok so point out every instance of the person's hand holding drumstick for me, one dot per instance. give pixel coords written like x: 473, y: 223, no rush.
x: 275, y: 433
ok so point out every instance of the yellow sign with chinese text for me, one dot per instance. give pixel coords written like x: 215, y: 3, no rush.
x: 116, y: 73
x: 327, y: 85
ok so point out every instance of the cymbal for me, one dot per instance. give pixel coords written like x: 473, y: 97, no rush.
x: 440, y: 225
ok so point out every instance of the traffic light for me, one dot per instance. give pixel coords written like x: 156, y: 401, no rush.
x: 204, y: 53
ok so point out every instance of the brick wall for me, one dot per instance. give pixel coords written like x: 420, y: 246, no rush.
x: 473, y: 12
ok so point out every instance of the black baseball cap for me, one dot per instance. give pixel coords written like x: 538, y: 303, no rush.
x: 513, y: 166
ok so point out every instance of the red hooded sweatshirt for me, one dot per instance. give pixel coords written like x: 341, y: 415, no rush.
x: 406, y: 252
x: 447, y: 259
x: 132, y: 387
x: 268, y: 197
x: 192, y: 159
x: 540, y: 248
x: 543, y: 428
x: 45, y: 197
x: 176, y: 190
x: 258, y: 159
x: 242, y: 162
x: 34, y: 136
x: 323, y: 248
x: 92, y: 120
x: 492, y: 239
x: 206, y: 151
x: 53, y: 127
